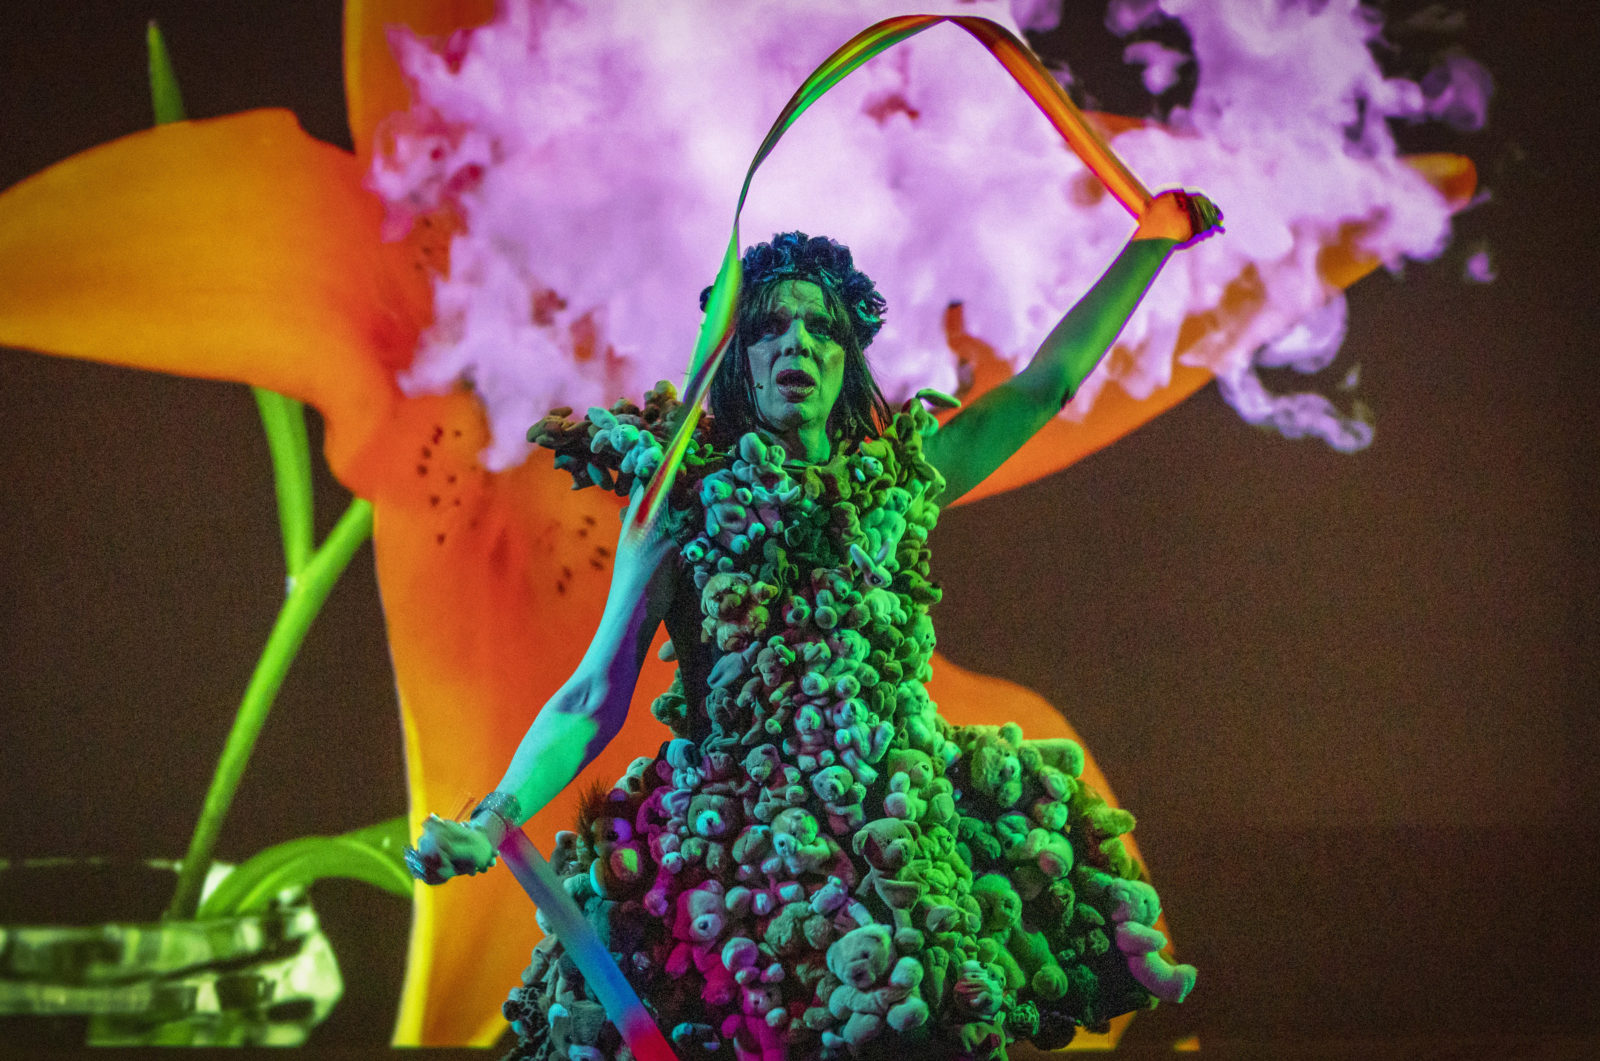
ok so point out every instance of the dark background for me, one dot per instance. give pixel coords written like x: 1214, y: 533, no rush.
x: 1352, y: 698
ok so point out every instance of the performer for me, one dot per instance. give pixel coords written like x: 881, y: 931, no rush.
x: 818, y: 864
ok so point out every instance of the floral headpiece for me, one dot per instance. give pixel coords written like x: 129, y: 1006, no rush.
x: 822, y: 261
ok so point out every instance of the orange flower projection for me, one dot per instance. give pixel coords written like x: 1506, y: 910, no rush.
x: 241, y: 249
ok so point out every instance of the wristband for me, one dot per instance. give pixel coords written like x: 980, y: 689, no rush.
x: 502, y: 805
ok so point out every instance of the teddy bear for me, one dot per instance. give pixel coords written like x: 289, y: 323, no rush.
x: 633, y: 782
x: 664, y: 844
x: 888, y: 845
x: 833, y: 912
x: 1012, y: 832
x: 810, y: 745
x: 942, y: 914
x: 1023, y: 955
x: 977, y: 989
x: 712, y: 818
x: 922, y: 725
x: 1141, y: 947
x: 1060, y: 753
x: 1050, y: 852
x: 1125, y: 899
x: 917, y: 789
x: 982, y: 1039
x: 798, y: 847
x: 867, y: 993
x: 841, y: 795
x: 992, y: 759
x: 773, y: 785
x: 697, y: 925
x: 749, y: 848
x: 757, y: 893
x: 910, y: 772
x: 1134, y: 908
x: 757, y: 1030
x: 861, y: 739
x: 773, y: 661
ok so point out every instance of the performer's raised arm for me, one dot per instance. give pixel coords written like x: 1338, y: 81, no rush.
x: 982, y: 436
x: 573, y: 726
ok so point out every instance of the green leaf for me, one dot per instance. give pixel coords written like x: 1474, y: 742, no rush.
x: 164, y: 95
x: 373, y: 855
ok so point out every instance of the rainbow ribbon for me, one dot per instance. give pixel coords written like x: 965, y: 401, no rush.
x: 621, y: 1004
x: 716, y: 330
x: 600, y: 973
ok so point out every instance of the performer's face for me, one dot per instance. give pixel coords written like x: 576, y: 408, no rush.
x: 796, y: 362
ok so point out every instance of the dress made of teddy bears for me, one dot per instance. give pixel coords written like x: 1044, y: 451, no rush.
x: 818, y: 865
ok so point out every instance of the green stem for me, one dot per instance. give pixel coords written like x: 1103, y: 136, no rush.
x: 285, y: 422
x: 305, y: 600
x: 165, y: 98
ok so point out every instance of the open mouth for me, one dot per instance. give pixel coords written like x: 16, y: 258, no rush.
x: 794, y: 384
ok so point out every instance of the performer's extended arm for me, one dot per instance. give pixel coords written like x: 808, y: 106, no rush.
x: 982, y: 436
x: 574, y: 725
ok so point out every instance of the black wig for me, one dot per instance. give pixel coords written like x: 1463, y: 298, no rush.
x: 861, y: 411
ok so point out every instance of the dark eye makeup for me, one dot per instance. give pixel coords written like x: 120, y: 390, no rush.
x: 775, y: 324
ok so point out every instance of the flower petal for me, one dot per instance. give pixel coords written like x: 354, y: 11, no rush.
x: 373, y: 85
x: 1064, y: 442
x: 238, y: 249
x: 492, y: 585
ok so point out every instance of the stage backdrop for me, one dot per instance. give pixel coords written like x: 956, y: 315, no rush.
x: 1351, y: 697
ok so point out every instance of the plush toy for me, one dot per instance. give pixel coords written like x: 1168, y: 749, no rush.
x: 713, y: 818
x: 917, y: 791
x: 833, y: 900
x: 1052, y: 809
x: 977, y: 989
x: 1141, y: 946
x: 618, y: 869
x: 773, y: 784
x: 1124, y: 899
x: 887, y: 844
x: 1059, y: 753
x: 698, y: 924
x: 798, y: 847
x: 1023, y: 955
x: 992, y: 759
x: 860, y: 741
x: 1001, y: 910
x: 1012, y: 831
x: 1134, y: 908
x: 841, y: 795
x: 983, y: 1040
x: 1051, y: 852
x: 757, y: 1030
x: 863, y: 1000
x: 811, y: 746
x: 910, y: 773
x: 633, y: 782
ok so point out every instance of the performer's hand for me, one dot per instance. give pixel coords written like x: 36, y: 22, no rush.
x: 449, y: 849
x: 1187, y: 217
